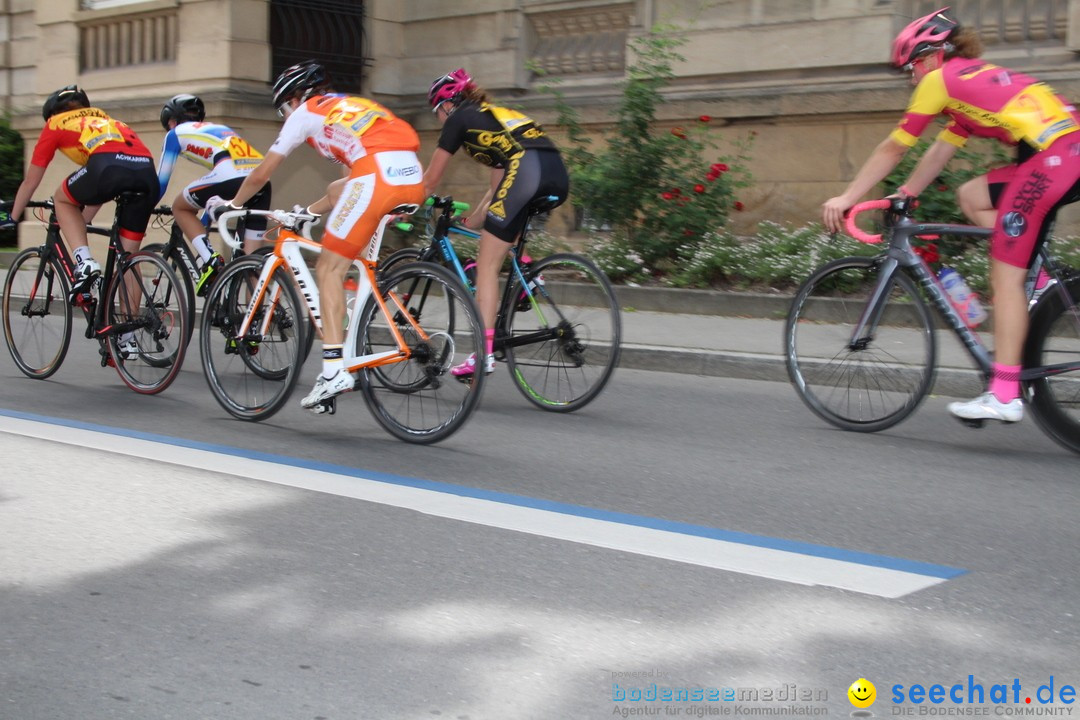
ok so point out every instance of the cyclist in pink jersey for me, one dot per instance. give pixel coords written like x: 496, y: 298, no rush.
x: 1017, y: 201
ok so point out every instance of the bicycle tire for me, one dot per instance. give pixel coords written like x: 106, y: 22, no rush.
x: 246, y: 389
x: 417, y: 400
x: 146, y: 297
x: 567, y: 371
x: 37, y: 316
x: 181, y: 272
x: 877, y: 384
x: 1054, y: 337
x: 398, y: 258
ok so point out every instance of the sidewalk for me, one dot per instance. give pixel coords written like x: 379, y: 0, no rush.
x: 721, y: 334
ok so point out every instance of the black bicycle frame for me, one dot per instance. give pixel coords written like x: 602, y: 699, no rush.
x: 901, y: 257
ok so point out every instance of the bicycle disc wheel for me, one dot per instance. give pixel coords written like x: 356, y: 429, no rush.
x: 251, y: 376
x: 1054, y: 338
x: 876, y: 381
x: 182, y: 274
x: 417, y: 399
x: 577, y: 333
x: 37, y: 315
x: 148, y: 305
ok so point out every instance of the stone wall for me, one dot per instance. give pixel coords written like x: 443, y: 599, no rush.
x: 808, y: 77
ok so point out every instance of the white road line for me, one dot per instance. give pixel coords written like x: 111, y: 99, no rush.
x: 749, y: 559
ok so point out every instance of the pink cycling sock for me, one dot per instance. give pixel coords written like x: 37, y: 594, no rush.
x: 489, y: 341
x: 1006, y: 382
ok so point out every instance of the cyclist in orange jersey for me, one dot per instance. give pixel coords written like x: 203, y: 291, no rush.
x: 113, y: 160
x: 1018, y: 201
x: 378, y: 150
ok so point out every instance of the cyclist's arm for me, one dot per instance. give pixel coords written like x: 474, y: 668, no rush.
x: 930, y: 166
x: 435, y: 169
x: 886, y: 156
x: 169, y: 152
x: 476, y: 219
x: 34, y: 174
x: 258, y: 177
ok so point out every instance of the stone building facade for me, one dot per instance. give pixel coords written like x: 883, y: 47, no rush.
x: 807, y: 76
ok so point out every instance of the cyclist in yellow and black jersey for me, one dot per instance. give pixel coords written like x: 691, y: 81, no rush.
x: 525, y: 165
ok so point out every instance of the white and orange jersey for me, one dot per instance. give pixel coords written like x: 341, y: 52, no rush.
x: 345, y: 128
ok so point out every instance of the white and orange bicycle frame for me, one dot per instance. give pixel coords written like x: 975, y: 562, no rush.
x: 287, y: 253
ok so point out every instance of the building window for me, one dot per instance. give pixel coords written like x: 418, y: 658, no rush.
x: 330, y: 32
x: 102, y: 4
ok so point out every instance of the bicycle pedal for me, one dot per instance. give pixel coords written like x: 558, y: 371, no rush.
x: 326, y: 407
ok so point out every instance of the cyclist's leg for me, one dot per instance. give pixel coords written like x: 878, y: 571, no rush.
x: 363, y: 198
x: 1028, y: 199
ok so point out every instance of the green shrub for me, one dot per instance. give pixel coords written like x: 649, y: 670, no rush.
x: 11, y: 169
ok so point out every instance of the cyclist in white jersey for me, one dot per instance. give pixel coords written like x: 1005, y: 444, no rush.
x: 229, y: 159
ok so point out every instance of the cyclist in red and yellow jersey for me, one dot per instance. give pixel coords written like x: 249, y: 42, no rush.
x: 1017, y: 201
x: 113, y: 160
x: 378, y: 151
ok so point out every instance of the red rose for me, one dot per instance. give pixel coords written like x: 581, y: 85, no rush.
x: 667, y: 196
x: 739, y: 206
x: 712, y: 176
x: 679, y: 133
x: 675, y: 191
x: 704, y: 118
x: 719, y: 168
x: 699, y: 188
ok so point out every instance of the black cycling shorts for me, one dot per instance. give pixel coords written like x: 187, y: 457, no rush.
x: 105, y: 176
x: 530, y: 175
x: 226, y: 190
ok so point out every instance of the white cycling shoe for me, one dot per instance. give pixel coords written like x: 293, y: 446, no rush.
x: 988, y: 407
x: 328, y: 387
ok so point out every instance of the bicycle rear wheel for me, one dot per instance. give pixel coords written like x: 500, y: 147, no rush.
x: 576, y: 332
x: 251, y: 376
x: 148, y: 305
x: 181, y: 271
x: 1054, y: 338
x: 417, y: 399
x: 37, y: 315
x: 864, y: 384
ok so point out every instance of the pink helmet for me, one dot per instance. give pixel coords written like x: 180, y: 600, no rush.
x: 925, y: 33
x: 449, y: 87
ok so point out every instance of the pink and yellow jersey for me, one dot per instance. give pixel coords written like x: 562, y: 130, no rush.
x: 344, y: 129
x: 985, y: 100
x: 81, y: 133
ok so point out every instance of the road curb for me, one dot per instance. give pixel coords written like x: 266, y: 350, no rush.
x: 949, y: 381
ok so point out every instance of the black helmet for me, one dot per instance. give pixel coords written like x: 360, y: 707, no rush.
x: 182, y: 108
x: 300, y: 80
x: 63, y: 96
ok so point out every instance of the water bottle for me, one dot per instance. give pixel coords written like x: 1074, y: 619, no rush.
x: 965, y: 301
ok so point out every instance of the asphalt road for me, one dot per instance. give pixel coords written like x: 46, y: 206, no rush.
x: 143, y: 585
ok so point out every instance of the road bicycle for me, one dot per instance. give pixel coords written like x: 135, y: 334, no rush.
x: 181, y: 258
x: 137, y: 294
x: 253, y: 334
x: 558, y: 327
x: 860, y: 342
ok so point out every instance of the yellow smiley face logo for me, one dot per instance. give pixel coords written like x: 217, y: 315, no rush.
x: 862, y: 693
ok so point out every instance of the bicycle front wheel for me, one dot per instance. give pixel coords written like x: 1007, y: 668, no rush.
x: 1054, y: 339
x: 251, y: 375
x: 147, y: 306
x: 415, y: 398
x: 563, y: 344
x: 37, y: 315
x: 865, y: 383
